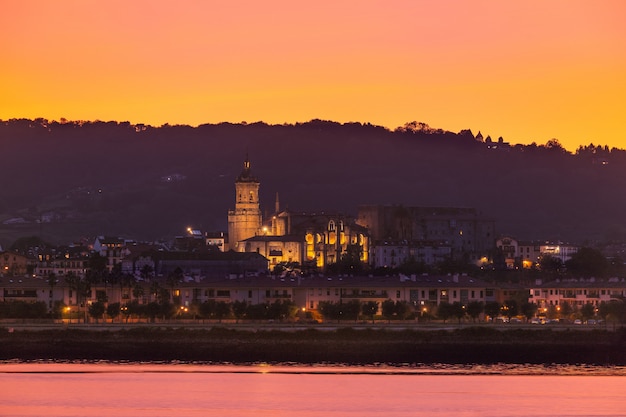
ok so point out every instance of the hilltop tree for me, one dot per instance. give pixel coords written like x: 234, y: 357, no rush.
x: 24, y: 244
x: 550, y: 264
x: 554, y: 145
x: 587, y: 262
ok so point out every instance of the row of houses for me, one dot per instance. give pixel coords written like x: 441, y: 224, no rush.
x: 202, y: 254
x: 423, y: 292
x: 578, y: 292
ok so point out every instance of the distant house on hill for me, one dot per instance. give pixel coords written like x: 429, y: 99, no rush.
x: 527, y: 254
x: 111, y: 248
x: 12, y: 263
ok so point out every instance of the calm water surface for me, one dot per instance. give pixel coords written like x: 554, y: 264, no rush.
x: 153, y: 390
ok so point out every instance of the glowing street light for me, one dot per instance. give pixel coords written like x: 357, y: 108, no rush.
x: 68, y: 310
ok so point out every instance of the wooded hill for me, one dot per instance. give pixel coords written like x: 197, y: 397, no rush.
x: 66, y: 180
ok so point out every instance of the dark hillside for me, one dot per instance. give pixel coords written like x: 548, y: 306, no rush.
x: 112, y: 178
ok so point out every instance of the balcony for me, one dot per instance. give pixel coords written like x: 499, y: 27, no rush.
x: 365, y: 295
x: 280, y: 296
x: 20, y: 293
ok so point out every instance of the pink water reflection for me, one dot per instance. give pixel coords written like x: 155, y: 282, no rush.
x: 200, y: 390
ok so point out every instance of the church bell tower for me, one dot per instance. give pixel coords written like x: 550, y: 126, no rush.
x: 245, y: 220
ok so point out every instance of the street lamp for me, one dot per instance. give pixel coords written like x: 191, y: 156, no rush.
x: 68, y: 309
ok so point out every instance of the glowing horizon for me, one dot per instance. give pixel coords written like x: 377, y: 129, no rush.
x: 527, y: 71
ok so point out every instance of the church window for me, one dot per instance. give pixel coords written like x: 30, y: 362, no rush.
x: 331, y: 226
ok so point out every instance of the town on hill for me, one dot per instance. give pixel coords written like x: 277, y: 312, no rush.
x: 82, y: 179
x: 389, y: 262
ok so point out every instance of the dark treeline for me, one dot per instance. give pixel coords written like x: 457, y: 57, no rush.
x: 150, y: 182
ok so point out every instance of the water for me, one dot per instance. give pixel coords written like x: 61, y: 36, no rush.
x: 154, y: 390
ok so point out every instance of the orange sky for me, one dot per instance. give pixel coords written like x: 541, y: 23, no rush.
x: 525, y: 70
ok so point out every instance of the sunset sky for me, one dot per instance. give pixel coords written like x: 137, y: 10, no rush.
x: 525, y: 70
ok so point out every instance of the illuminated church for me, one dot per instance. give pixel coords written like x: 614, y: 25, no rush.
x: 288, y: 238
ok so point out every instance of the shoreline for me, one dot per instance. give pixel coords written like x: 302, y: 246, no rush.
x: 346, y: 345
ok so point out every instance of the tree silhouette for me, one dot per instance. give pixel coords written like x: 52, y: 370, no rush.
x: 474, y: 309
x: 369, y: 309
x: 587, y: 262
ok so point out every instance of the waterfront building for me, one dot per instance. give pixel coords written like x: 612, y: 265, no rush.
x: 424, y: 293
x: 577, y: 292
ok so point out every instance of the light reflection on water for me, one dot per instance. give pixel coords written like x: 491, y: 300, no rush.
x: 297, y: 368
x: 197, y: 389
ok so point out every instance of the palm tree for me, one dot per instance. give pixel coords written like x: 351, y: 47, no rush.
x: 138, y: 291
x: 146, y: 272
x: 52, y: 281
x: 173, y: 279
x: 81, y: 286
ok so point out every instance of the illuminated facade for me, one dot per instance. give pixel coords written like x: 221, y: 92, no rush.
x: 577, y: 292
x: 315, y: 240
x: 312, y: 239
x: 527, y: 254
x: 111, y: 248
x: 12, y: 263
x: 245, y: 220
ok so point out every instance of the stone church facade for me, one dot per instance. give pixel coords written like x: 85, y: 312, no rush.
x: 245, y: 220
x: 315, y: 240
